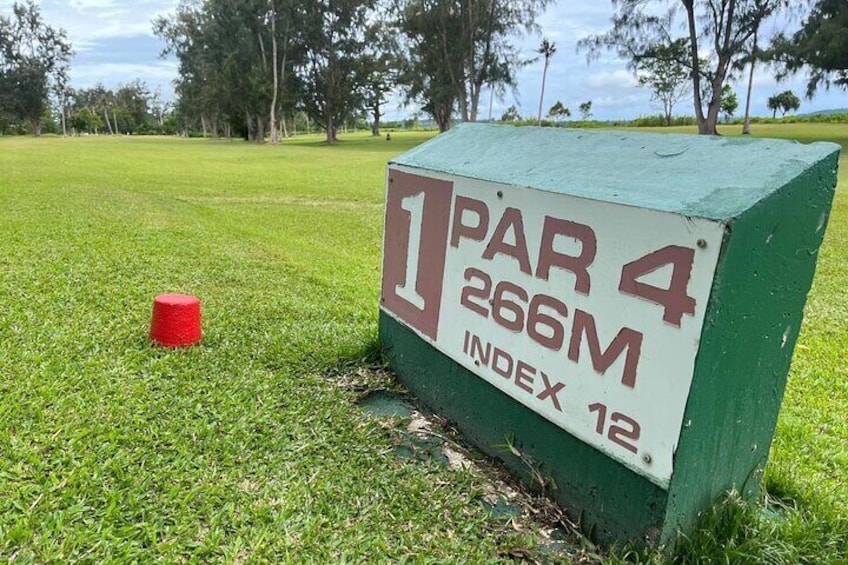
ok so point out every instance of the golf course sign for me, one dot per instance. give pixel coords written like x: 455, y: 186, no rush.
x: 619, y: 308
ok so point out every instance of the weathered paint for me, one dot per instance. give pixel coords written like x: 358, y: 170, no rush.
x: 701, y: 176
x: 774, y: 198
x: 753, y: 320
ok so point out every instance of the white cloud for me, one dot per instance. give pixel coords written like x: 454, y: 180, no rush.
x: 614, y: 80
x: 618, y: 102
x: 113, y: 73
x: 88, y: 21
x: 91, y: 4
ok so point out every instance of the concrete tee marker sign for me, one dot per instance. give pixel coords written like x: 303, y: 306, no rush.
x: 565, y: 288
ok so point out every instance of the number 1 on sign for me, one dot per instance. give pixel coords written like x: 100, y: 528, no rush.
x: 409, y: 289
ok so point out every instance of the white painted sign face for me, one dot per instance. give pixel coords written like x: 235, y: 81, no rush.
x: 588, y: 313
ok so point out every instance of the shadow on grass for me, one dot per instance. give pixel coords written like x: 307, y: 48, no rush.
x: 364, y: 142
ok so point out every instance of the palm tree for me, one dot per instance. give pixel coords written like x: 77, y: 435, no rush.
x: 547, y: 48
x: 746, y: 125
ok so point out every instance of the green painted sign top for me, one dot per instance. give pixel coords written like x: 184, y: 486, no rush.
x: 696, y: 176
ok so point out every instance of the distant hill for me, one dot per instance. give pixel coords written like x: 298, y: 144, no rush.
x: 828, y: 112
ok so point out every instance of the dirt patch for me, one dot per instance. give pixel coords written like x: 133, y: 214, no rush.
x: 425, y: 437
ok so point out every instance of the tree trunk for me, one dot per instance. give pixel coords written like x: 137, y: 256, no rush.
x: 463, y: 103
x: 711, y: 121
x: 108, y: 123
x: 260, y: 130
x: 115, y: 119
x: 203, y: 125
x: 542, y: 94
x: 275, y: 140
x: 442, y: 115
x: 331, y: 131
x: 696, y: 65
x: 375, y: 125
x: 249, y: 122
x: 746, y: 126
x: 213, y: 126
x: 64, y: 123
x: 491, y: 100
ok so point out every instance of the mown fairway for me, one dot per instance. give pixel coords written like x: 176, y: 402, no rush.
x: 244, y: 449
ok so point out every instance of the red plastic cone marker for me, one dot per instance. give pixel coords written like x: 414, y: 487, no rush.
x: 176, y: 320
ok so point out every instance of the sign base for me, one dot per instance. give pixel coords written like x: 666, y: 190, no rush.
x: 613, y: 501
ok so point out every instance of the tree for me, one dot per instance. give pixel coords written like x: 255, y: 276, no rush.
x: 432, y: 63
x: 585, y: 110
x: 487, y: 29
x: 34, y: 61
x: 719, y: 28
x: 547, y: 50
x: 511, y: 114
x: 381, y: 62
x: 331, y: 76
x: 820, y: 46
x: 127, y: 110
x: 559, y: 111
x: 773, y: 105
x: 287, y: 49
x: 190, y: 34
x: 132, y: 102
x: 785, y: 101
x: 729, y: 102
x: 159, y: 107
x: 85, y: 120
x: 666, y: 75
x: 456, y: 48
x: 64, y: 100
x: 226, y: 54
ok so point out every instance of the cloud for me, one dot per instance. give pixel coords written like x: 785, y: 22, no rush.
x: 88, y: 21
x: 83, y: 5
x: 614, y: 80
x: 104, y: 71
x: 618, y: 102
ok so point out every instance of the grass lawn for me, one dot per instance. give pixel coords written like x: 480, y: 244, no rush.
x: 245, y: 449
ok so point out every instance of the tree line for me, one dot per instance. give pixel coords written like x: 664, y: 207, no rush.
x: 247, y: 68
x: 258, y: 68
x: 694, y: 47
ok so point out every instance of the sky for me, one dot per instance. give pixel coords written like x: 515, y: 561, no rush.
x: 114, y: 44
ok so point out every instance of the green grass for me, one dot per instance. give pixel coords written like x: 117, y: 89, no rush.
x: 237, y: 450
x: 243, y: 449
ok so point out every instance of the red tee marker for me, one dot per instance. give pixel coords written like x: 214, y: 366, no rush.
x: 176, y: 320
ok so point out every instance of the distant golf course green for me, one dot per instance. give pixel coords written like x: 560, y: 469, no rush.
x: 246, y: 449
